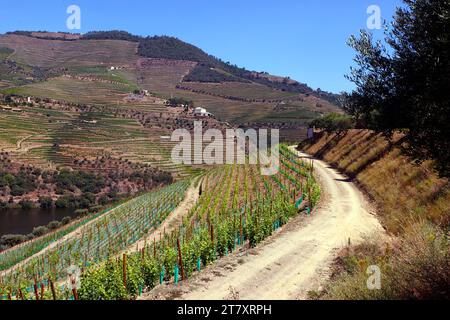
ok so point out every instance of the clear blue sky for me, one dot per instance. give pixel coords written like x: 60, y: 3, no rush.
x: 303, y: 39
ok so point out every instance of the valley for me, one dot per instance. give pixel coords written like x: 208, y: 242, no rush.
x: 95, y: 206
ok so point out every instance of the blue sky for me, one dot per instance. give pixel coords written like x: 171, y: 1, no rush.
x: 303, y: 39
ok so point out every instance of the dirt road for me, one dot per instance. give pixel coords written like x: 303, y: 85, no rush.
x: 294, y: 260
x: 174, y: 220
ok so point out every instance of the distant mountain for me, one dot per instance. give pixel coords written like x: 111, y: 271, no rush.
x: 209, y: 68
x: 104, y: 68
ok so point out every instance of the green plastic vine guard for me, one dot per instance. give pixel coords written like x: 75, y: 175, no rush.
x: 175, y: 276
x: 161, y: 276
x: 298, y: 202
x: 199, y: 264
x: 308, y: 211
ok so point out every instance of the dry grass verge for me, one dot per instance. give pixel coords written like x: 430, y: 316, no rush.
x: 414, y: 205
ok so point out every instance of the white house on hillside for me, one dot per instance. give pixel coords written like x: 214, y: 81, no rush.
x: 201, y: 112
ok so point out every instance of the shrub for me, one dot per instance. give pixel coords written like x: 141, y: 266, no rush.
x: 54, y: 225
x: 17, y: 190
x: 95, y: 208
x: 62, y: 202
x: 66, y: 220
x: 45, y: 202
x: 102, y: 200
x: 81, y: 212
x: 10, y: 240
x: 40, y: 231
x: 26, y: 204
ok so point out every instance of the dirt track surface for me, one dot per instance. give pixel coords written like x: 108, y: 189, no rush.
x: 174, y: 220
x: 293, y: 261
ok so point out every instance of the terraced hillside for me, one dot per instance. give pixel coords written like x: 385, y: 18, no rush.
x: 33, y: 66
x: 52, y: 138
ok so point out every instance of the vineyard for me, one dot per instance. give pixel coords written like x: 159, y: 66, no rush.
x: 95, y: 241
x: 237, y: 206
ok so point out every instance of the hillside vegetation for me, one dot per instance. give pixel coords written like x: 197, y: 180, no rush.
x: 413, y: 205
x: 406, y: 192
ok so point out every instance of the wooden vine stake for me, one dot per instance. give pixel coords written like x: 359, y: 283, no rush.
x: 180, y: 259
x: 309, y: 200
x: 124, y: 269
x: 240, y: 229
x: 52, y: 288
x: 42, y: 291
x: 74, y: 289
x: 35, y: 287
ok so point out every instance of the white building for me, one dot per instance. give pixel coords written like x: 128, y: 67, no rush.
x: 201, y: 112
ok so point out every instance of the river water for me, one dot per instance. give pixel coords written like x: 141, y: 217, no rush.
x: 22, y: 221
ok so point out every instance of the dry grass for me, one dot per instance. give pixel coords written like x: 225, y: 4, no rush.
x: 404, y: 191
x: 417, y: 268
x: 414, y: 204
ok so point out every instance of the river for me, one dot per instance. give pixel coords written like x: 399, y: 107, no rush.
x: 22, y: 221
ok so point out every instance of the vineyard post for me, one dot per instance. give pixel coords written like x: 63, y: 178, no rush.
x: 36, y: 293
x: 42, y: 291
x: 309, y: 197
x: 180, y: 259
x: 74, y: 290
x: 52, y: 287
x: 240, y: 229
x: 124, y: 269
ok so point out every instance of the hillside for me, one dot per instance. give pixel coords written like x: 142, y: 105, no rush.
x: 406, y: 192
x: 413, y: 207
x: 33, y: 62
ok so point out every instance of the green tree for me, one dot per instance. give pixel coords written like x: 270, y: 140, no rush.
x: 333, y: 122
x: 403, y: 84
x: 45, y: 202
